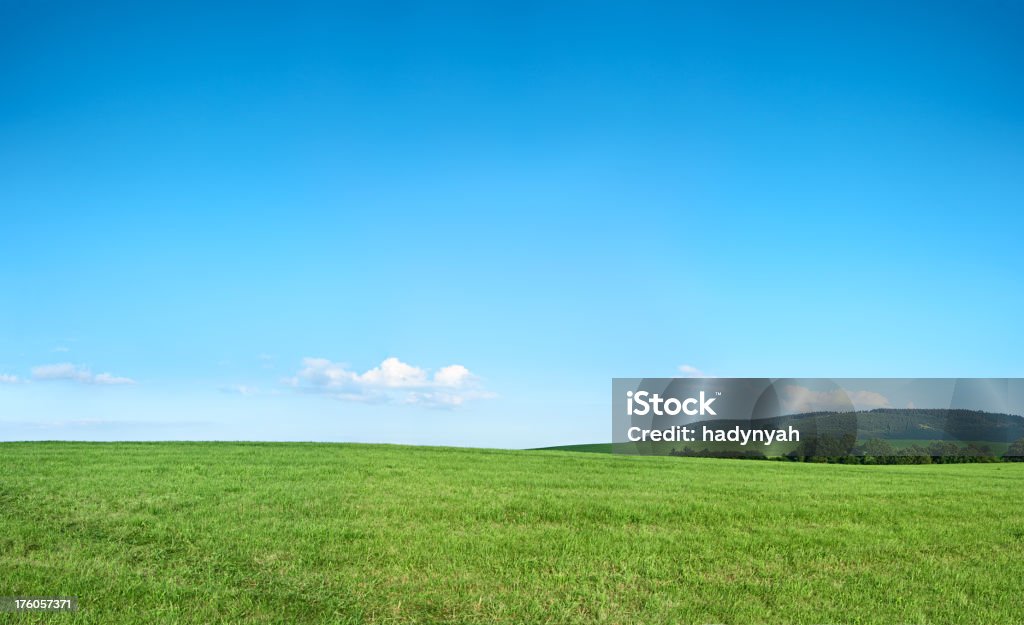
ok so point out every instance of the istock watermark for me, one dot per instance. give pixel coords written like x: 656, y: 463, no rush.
x: 821, y: 419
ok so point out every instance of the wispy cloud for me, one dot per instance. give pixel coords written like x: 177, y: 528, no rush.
x: 76, y: 373
x: 247, y: 390
x: 9, y: 379
x: 239, y: 389
x: 689, y: 371
x: 393, y: 381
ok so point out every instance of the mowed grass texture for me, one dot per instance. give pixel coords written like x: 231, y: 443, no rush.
x: 319, y: 533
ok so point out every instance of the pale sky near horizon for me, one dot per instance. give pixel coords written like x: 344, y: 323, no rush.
x: 455, y: 224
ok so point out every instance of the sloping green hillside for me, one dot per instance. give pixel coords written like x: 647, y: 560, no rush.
x: 928, y: 424
x: 897, y: 424
x: 310, y: 533
x: 593, y: 448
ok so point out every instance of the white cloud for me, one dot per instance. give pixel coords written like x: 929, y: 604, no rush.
x: 106, y: 378
x: 797, y: 399
x: 689, y: 371
x: 9, y: 379
x: 391, y: 381
x: 63, y: 371
x: 393, y: 373
x: 452, y: 376
x: 77, y: 373
x: 61, y: 349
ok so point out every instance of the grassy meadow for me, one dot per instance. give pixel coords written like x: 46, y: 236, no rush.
x: 327, y: 533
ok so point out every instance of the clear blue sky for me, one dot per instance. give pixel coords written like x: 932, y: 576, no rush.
x: 219, y: 222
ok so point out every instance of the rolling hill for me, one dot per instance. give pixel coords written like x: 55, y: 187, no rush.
x: 922, y: 424
x: 254, y: 533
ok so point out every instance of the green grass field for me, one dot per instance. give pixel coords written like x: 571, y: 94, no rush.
x: 319, y: 533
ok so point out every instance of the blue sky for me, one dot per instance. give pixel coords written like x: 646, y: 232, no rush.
x: 220, y: 222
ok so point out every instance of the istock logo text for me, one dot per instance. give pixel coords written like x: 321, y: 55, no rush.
x: 659, y: 406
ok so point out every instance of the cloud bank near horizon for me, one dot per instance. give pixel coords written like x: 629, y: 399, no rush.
x: 76, y: 373
x: 392, y: 381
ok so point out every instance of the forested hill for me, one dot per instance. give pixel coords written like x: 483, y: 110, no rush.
x: 905, y: 423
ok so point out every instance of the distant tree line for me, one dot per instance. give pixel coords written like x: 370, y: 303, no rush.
x: 845, y: 450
